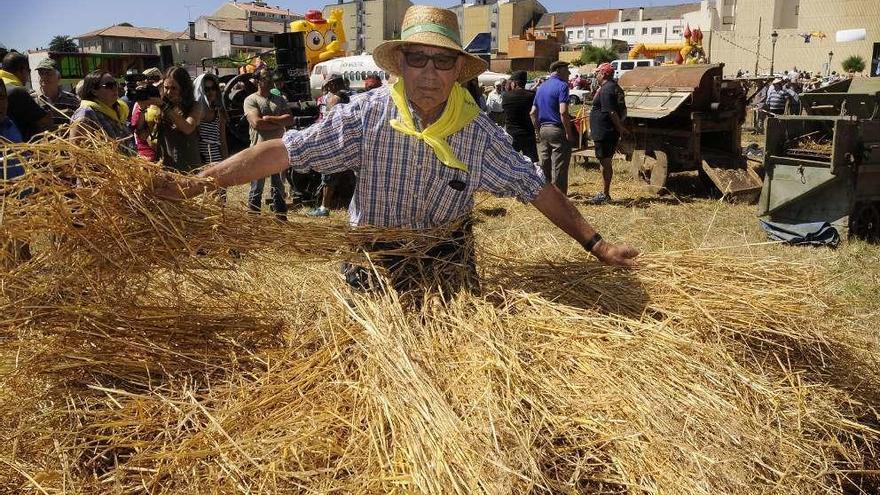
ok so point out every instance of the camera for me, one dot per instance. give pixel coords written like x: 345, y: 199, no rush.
x: 141, y: 93
x: 138, y: 93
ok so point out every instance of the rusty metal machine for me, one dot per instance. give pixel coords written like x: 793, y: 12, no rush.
x: 824, y: 166
x: 687, y: 118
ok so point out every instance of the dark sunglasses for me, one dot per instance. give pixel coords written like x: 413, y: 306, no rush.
x: 419, y: 60
x: 211, y: 88
x: 109, y: 85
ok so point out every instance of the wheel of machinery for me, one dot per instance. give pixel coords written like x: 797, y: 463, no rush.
x: 237, y: 89
x: 865, y: 221
x: 651, y: 169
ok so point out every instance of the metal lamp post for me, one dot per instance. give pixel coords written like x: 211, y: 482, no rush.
x: 773, y: 37
x: 830, y: 56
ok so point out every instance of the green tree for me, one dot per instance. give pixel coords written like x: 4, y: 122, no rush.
x: 854, y: 63
x: 63, y: 43
x: 597, y: 55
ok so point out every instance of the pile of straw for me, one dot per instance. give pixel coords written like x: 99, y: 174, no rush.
x: 137, y: 356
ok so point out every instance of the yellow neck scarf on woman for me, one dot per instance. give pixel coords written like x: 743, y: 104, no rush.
x: 10, y: 79
x: 460, y: 111
x: 119, y: 114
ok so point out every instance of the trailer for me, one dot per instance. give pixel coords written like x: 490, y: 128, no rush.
x: 687, y: 118
x: 824, y: 166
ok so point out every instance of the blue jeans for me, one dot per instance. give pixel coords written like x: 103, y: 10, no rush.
x: 255, y: 198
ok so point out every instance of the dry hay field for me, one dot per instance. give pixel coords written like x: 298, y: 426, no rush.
x: 137, y: 356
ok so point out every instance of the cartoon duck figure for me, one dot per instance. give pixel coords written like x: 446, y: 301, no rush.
x: 325, y: 38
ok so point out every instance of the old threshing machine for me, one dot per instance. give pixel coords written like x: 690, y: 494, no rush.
x: 687, y: 118
x: 824, y: 166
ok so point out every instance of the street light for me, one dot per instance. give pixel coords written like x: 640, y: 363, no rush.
x: 830, y: 55
x: 773, y: 37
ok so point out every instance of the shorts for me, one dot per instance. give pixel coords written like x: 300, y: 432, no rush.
x: 606, y: 148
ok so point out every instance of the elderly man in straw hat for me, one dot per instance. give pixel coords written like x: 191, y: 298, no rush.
x: 421, y: 147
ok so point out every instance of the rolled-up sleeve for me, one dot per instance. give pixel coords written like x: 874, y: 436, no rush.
x: 329, y: 146
x: 508, y: 173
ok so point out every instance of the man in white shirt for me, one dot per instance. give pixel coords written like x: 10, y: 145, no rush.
x: 493, y: 102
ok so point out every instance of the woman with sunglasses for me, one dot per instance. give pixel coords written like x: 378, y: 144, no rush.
x: 181, y: 115
x: 212, y: 128
x: 102, y: 110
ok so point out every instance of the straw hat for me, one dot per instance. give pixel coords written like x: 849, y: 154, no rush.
x: 430, y: 26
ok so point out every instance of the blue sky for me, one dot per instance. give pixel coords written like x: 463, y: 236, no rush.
x: 26, y: 24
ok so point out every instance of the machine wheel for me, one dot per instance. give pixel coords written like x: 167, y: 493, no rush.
x: 651, y: 169
x: 865, y: 222
x: 237, y: 89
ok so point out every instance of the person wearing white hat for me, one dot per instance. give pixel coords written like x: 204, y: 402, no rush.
x: 493, y: 102
x: 779, y: 96
x: 421, y: 148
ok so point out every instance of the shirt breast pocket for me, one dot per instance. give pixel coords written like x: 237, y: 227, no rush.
x: 451, y: 193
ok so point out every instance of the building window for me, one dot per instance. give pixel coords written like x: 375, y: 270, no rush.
x: 614, y: 33
x: 644, y: 30
x: 186, y: 47
x: 592, y: 33
x: 258, y: 39
x: 656, y: 30
x: 122, y: 46
x: 628, y: 32
x: 676, y: 29
x: 237, y: 39
x: 602, y: 33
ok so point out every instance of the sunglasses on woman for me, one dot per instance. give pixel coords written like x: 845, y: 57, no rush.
x: 210, y: 88
x: 441, y: 61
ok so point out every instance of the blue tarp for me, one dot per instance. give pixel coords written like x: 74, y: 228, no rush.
x: 811, y: 234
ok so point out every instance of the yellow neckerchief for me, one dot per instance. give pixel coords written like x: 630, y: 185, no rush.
x: 120, y: 114
x: 10, y: 79
x: 460, y: 111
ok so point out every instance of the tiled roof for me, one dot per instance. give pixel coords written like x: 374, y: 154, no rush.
x: 118, y: 31
x: 241, y: 25
x: 590, y: 17
x: 661, y: 12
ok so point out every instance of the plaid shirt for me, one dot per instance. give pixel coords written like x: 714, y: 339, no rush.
x: 400, y: 181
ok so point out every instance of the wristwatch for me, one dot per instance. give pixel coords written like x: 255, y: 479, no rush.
x: 591, y: 243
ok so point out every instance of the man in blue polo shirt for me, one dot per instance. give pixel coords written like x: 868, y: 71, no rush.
x: 553, y: 125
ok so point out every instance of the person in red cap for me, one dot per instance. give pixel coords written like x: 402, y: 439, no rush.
x: 606, y: 126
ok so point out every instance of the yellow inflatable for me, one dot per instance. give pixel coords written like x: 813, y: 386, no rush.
x: 688, y: 52
x: 325, y: 38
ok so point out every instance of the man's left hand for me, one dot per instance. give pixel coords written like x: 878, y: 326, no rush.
x: 616, y: 254
x: 177, y: 188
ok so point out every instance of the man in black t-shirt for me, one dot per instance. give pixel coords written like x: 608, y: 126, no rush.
x: 606, y: 126
x: 30, y: 118
x: 517, y: 103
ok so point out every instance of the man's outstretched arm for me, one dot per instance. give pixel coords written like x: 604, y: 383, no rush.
x: 262, y: 160
x: 559, y: 210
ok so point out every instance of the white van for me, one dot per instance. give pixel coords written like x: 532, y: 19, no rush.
x: 354, y: 69
x: 624, y: 65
